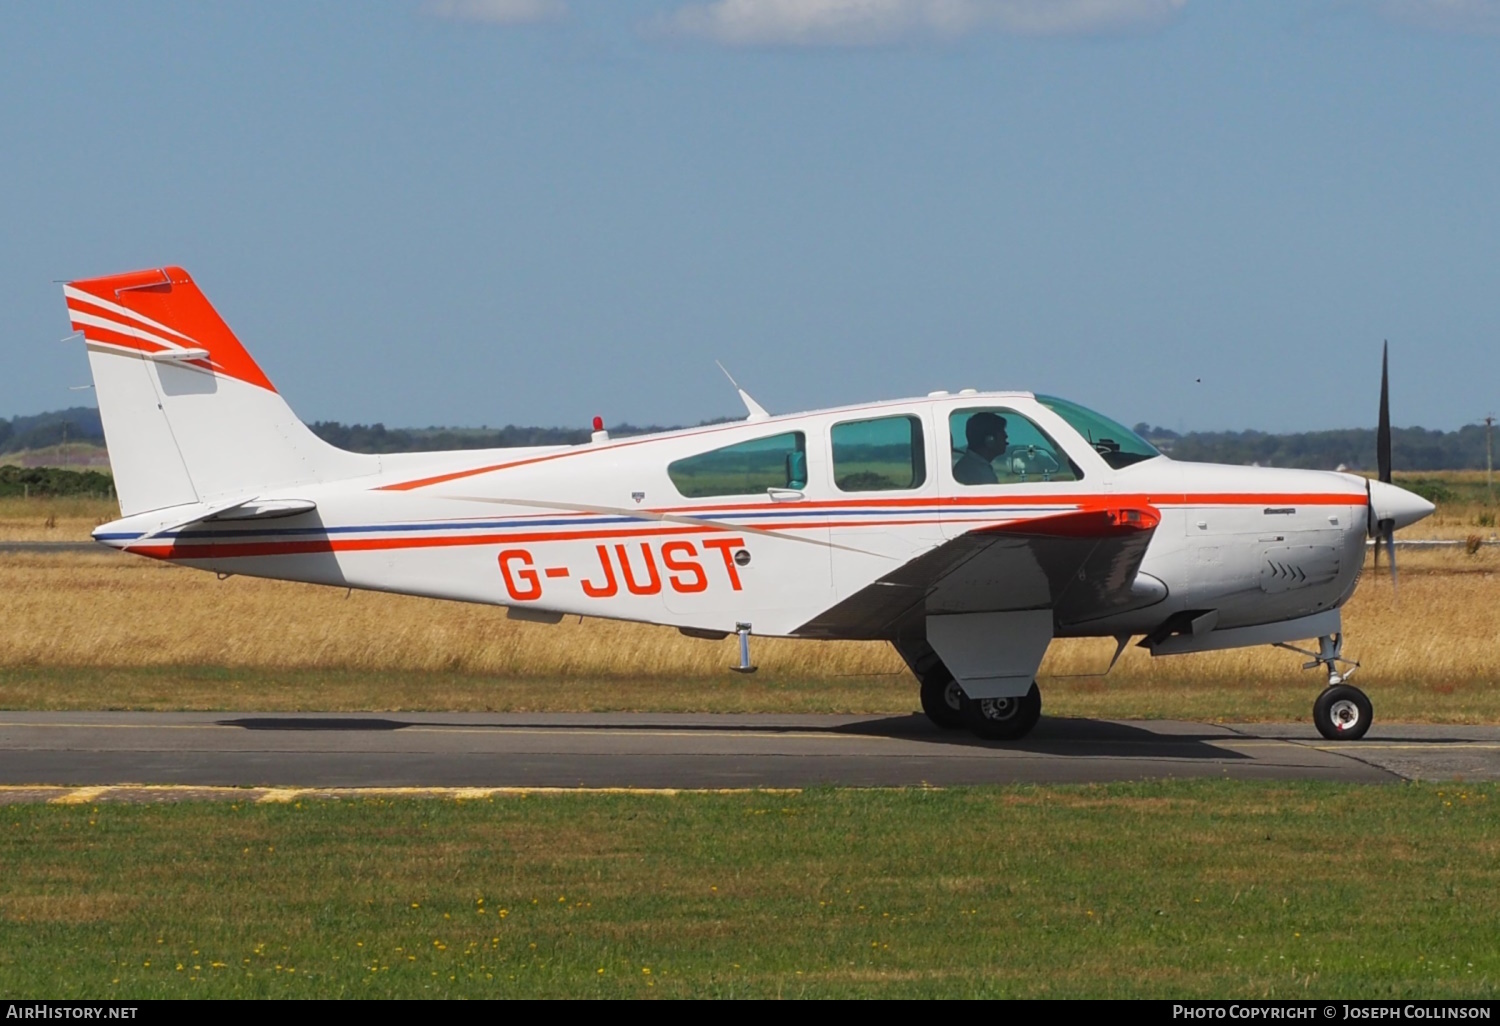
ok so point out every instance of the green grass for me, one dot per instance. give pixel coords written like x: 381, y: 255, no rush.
x: 1208, y: 889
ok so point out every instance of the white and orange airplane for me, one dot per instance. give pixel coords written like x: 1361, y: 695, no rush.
x: 968, y: 529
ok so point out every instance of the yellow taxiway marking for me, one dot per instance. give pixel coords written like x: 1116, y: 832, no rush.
x: 283, y: 795
x: 287, y: 794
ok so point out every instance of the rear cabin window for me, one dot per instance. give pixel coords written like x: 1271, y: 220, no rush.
x: 881, y: 455
x: 749, y: 468
x: 999, y: 446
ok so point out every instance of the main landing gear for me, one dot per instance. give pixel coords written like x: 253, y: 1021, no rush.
x: 994, y: 719
x: 1342, y: 712
x: 946, y: 705
x: 942, y: 698
x: 1003, y: 719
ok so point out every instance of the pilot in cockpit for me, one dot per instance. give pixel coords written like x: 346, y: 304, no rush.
x: 985, y: 433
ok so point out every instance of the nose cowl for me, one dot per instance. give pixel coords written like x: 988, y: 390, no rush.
x: 1387, y: 502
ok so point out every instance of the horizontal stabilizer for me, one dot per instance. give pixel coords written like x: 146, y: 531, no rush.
x: 180, y: 517
x: 266, y: 509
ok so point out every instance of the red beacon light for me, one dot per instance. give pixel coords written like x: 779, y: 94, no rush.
x: 600, y: 435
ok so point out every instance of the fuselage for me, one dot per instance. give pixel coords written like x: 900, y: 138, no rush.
x: 772, y: 521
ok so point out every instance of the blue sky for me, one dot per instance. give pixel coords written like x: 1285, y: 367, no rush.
x: 473, y: 212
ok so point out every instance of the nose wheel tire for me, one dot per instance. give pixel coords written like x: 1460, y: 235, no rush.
x: 1342, y: 713
x: 1003, y: 719
x: 942, y: 700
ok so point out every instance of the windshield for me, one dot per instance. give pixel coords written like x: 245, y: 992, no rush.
x: 1119, y: 445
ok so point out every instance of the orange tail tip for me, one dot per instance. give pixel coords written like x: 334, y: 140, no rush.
x: 160, y: 314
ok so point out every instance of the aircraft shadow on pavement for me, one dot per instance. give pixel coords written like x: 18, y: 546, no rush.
x: 1059, y: 736
x: 1052, y: 735
x: 313, y: 723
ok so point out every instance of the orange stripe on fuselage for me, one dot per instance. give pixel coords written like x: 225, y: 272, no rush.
x: 218, y: 550
x: 230, y: 550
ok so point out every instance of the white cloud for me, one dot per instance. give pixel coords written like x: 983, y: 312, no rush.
x: 1477, y: 17
x: 498, y: 12
x: 887, y: 22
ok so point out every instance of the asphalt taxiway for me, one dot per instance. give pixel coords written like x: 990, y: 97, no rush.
x: 689, y: 751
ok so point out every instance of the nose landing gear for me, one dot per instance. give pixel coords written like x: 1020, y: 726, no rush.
x: 1342, y: 712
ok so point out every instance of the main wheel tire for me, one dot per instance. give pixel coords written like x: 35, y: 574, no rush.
x: 942, y: 700
x: 1003, y: 719
x: 1343, y: 713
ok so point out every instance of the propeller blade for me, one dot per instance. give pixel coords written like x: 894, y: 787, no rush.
x: 1383, y: 432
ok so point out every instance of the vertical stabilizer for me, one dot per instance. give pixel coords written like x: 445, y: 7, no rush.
x: 188, y: 414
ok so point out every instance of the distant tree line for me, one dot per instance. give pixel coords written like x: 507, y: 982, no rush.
x: 46, y: 482
x: 79, y: 424
x: 1413, y: 449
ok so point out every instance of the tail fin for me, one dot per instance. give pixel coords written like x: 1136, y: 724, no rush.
x: 188, y: 414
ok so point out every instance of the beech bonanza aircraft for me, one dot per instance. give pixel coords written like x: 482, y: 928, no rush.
x: 968, y: 529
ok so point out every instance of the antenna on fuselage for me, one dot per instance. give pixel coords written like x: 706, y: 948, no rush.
x: 754, y: 409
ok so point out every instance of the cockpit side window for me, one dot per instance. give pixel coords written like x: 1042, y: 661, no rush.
x: 994, y: 445
x: 880, y: 455
x: 748, y: 468
x: 1115, y: 443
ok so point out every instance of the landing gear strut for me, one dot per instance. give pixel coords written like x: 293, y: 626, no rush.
x: 1342, y: 712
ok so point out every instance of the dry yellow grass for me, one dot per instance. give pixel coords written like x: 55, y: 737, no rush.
x: 124, y: 611
x: 63, y: 520
x: 1457, y: 522
x: 107, y: 624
